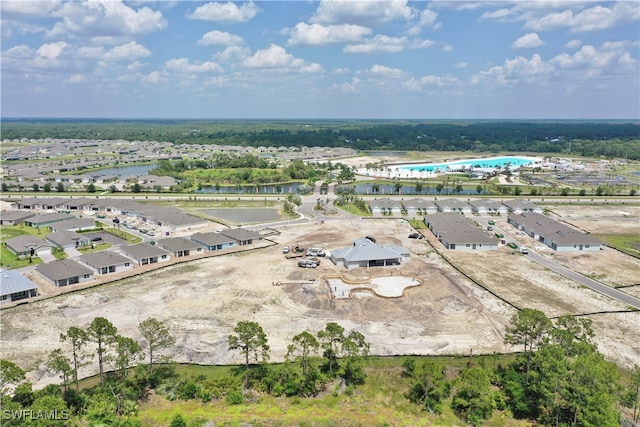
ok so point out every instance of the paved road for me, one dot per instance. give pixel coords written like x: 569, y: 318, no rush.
x: 570, y: 274
x: 583, y: 280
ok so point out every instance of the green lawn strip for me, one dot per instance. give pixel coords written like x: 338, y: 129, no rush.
x: 130, y: 238
x: 627, y: 243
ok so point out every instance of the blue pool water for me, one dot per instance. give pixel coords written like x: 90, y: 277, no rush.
x: 476, y: 163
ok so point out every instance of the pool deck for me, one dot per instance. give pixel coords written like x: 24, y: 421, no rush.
x: 400, y: 171
x: 386, y: 287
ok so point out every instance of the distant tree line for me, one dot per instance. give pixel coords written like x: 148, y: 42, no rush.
x: 597, y: 138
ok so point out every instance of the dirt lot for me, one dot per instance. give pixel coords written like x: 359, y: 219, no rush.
x: 201, y: 301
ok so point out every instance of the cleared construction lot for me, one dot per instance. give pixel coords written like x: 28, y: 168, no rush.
x: 201, y: 301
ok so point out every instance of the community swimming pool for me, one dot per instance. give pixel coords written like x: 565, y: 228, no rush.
x: 488, y: 163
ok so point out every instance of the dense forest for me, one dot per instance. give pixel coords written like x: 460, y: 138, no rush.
x: 559, y: 379
x: 619, y: 139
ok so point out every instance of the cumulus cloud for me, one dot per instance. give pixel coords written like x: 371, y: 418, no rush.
x: 590, y: 19
x: 52, y: 50
x: 105, y: 19
x: 573, y: 44
x: 182, y: 65
x: 154, y: 77
x: 368, y: 13
x: 530, y: 40
x: 12, y: 8
x: 225, y: 12
x: 387, y: 72
x: 316, y: 34
x: 519, y: 70
x: 276, y: 57
x: 220, y: 38
x: 127, y: 52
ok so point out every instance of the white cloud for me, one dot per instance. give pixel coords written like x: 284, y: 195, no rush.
x: 105, y: 18
x: 276, y: 57
x: 588, y: 57
x: 154, y: 77
x: 225, y: 12
x: 517, y: 71
x: 379, y: 43
x: 233, y: 54
x: 368, y: 13
x: 182, y: 65
x: 387, y: 72
x: 591, y: 19
x: 220, y: 38
x: 316, y: 34
x: 461, y: 65
x: 28, y: 8
x: 573, y: 44
x: 447, y: 48
x: 19, y: 52
x: 530, y: 40
x: 127, y: 52
x: 52, y: 50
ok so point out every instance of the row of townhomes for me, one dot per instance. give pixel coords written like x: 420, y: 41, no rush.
x: 455, y: 231
x: 418, y: 206
x: 71, y: 225
x: 554, y: 234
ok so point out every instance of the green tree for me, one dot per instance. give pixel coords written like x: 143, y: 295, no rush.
x: 635, y: 391
x: 78, y: 339
x: 91, y: 188
x: 10, y: 374
x: 128, y: 351
x: 473, y: 399
x: 103, y: 333
x: 252, y: 341
x: 60, y: 187
x: 56, y: 363
x: 178, y: 421
x: 35, y: 187
x: 304, y: 347
x: 136, y: 188
x: 439, y: 187
x: 157, y: 336
x: 331, y: 339
x: 529, y: 328
x: 429, y: 386
x: 47, y: 187
x: 49, y: 405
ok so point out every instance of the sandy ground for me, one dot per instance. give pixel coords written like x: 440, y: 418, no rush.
x: 201, y: 301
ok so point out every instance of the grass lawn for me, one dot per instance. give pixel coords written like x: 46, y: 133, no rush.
x: 627, y: 243
x: 7, y: 258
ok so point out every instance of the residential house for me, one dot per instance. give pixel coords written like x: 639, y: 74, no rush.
x: 385, y: 206
x: 74, y: 224
x: 68, y: 239
x: 14, y: 217
x: 366, y: 253
x: 180, y: 246
x: 558, y: 236
x: 14, y: 287
x: 241, y: 235
x: 145, y: 253
x: 488, y: 207
x: 419, y: 207
x: 47, y: 219
x: 27, y: 245
x: 65, y: 272
x: 520, y: 206
x: 454, y: 205
x: 456, y: 232
x: 106, y: 262
x: 214, y: 241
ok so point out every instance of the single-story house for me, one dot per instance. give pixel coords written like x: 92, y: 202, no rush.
x: 14, y: 286
x: 419, y: 206
x: 27, y: 245
x: 68, y: 239
x: 453, y: 205
x: 78, y: 204
x: 47, y: 219
x: 520, y: 206
x: 14, y: 217
x: 385, y: 206
x: 457, y: 232
x: 65, y: 272
x: 170, y: 217
x: 486, y: 206
x: 366, y: 253
x: 40, y: 203
x: 105, y: 262
x: 180, y: 246
x: 214, y: 241
x: 75, y: 224
x: 145, y: 253
x: 241, y: 235
x: 556, y: 235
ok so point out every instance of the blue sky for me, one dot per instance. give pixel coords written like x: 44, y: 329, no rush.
x: 390, y: 59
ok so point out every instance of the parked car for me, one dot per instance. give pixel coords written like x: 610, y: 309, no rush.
x: 414, y: 236
x: 512, y: 245
x: 524, y: 250
x: 285, y: 250
x: 305, y: 263
x: 490, y: 228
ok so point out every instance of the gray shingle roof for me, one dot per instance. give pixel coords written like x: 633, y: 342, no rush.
x: 178, y: 244
x: 12, y: 282
x: 365, y: 250
x: 143, y: 250
x: 104, y: 259
x: 212, y: 239
x: 63, y: 269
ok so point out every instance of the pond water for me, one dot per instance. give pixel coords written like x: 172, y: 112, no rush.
x: 245, y: 215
